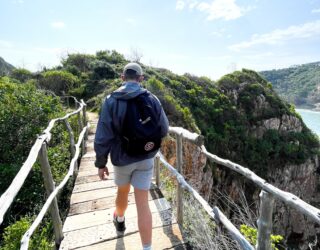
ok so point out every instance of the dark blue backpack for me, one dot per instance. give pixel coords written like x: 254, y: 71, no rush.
x: 141, y: 130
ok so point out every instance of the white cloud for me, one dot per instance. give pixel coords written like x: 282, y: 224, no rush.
x: 180, y: 5
x: 280, y: 36
x: 222, y: 9
x: 216, y: 9
x: 58, y: 25
x: 315, y: 11
x: 193, y: 4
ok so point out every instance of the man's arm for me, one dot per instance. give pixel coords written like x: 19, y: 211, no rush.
x: 104, y: 135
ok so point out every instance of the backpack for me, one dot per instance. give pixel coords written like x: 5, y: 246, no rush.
x: 141, y: 130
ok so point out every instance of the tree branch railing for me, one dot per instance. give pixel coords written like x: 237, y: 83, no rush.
x: 39, y: 151
x: 267, y: 195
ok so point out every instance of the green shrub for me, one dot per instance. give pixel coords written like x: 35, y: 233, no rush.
x: 251, y: 235
x: 40, y: 240
x: 59, y: 82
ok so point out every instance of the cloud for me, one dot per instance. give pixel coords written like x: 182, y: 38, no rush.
x: 58, y: 25
x: 315, y: 11
x: 280, y: 36
x: 216, y: 9
x: 180, y: 5
x: 221, y: 9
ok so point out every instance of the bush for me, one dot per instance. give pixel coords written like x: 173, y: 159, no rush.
x: 22, y: 75
x: 251, y: 235
x: 59, y: 82
x: 39, y: 240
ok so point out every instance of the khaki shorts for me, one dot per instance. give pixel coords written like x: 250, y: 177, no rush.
x: 138, y: 174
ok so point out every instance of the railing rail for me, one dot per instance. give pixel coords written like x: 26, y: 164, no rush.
x: 39, y: 151
x: 267, y: 195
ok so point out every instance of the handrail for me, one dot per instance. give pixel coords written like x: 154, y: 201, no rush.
x: 267, y: 195
x: 37, y: 221
x: 38, y: 150
x: 8, y: 196
x: 214, y: 213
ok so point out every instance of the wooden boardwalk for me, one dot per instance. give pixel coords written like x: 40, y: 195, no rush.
x: 89, y: 223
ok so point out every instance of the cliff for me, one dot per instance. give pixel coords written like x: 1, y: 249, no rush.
x: 276, y: 131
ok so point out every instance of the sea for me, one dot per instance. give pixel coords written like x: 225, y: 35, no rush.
x: 311, y: 119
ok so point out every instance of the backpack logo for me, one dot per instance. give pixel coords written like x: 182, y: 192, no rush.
x: 149, y: 146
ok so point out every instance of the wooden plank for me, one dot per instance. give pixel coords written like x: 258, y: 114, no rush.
x: 108, y: 202
x: 163, y: 238
x: 93, y: 194
x: 92, y: 178
x: 105, y: 216
x: 99, y: 233
x: 93, y: 185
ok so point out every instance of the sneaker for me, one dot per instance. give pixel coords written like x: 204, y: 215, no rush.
x: 120, y: 226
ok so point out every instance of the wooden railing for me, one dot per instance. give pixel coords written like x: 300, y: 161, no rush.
x: 267, y: 195
x: 39, y: 151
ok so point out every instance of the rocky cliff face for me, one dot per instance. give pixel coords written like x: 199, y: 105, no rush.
x: 302, y: 180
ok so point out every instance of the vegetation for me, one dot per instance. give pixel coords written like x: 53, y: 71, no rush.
x: 251, y: 235
x: 227, y: 112
x: 25, y: 112
x: 298, y: 84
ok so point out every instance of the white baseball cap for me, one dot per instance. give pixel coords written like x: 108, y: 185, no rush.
x: 135, y: 67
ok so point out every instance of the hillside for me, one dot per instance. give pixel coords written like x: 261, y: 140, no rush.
x: 5, y: 68
x: 241, y: 116
x: 299, y: 84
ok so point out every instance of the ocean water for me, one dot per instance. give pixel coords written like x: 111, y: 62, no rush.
x: 311, y: 119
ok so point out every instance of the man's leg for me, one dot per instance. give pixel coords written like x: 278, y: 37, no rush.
x: 122, y: 199
x: 144, y: 216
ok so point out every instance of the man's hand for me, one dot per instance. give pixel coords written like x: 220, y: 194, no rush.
x: 102, y: 172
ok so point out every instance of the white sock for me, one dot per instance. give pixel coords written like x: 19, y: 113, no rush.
x: 120, y: 219
x: 147, y: 247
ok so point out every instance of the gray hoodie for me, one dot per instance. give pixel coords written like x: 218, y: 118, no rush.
x: 107, y: 139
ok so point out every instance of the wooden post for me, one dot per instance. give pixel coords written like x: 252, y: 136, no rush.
x: 72, y: 145
x: 84, y: 110
x: 179, y: 189
x: 83, y: 146
x: 157, y: 170
x: 50, y: 186
x: 265, y: 221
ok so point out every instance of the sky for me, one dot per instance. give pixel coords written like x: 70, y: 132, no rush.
x: 205, y: 38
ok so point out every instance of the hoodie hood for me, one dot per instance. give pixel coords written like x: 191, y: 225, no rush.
x: 128, y: 90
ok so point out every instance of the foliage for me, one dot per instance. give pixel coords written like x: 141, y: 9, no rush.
x: 13, y: 234
x: 21, y: 74
x: 251, y: 235
x: 58, y: 81
x: 24, y: 113
x: 32, y: 111
x: 297, y: 84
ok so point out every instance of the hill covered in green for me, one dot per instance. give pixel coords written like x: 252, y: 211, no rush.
x: 299, y: 84
x: 241, y: 116
x: 5, y: 68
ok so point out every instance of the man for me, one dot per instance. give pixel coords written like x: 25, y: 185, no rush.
x: 129, y: 168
